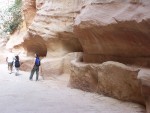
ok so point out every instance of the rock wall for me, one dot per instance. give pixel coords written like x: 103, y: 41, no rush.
x: 144, y: 77
x: 29, y: 11
x: 51, y: 67
x: 104, y: 30
x: 110, y: 78
x: 17, y: 38
x: 115, y: 30
x: 54, y: 24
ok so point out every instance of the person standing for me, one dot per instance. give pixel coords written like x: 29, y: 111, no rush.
x: 17, y: 64
x: 36, y: 67
x: 9, y: 59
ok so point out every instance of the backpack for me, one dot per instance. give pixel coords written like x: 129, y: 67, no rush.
x: 37, y: 61
x: 17, y: 63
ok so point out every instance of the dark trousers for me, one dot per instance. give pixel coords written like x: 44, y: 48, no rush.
x: 35, y: 68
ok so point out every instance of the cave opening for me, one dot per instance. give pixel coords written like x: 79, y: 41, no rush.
x: 35, y: 45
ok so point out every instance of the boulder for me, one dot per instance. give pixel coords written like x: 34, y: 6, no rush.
x: 144, y: 77
x: 110, y: 78
x: 83, y: 76
x: 120, y: 81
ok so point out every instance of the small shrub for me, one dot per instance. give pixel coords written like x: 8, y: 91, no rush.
x: 15, y: 17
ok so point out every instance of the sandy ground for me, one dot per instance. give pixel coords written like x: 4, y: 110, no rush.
x: 19, y: 95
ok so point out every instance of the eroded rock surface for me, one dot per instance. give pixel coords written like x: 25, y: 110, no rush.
x: 29, y: 11
x: 110, y: 78
x: 107, y: 30
x: 54, y: 24
x: 52, y: 67
x: 115, y: 30
x: 144, y: 77
x: 104, y: 30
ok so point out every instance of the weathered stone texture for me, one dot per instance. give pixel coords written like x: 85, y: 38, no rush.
x: 104, y: 30
x: 115, y: 30
x: 110, y: 78
x: 144, y: 77
x: 29, y: 11
x: 51, y: 66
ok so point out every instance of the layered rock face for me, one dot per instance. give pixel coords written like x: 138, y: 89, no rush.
x: 29, y: 11
x: 107, y: 30
x: 50, y: 34
x: 104, y: 30
x: 115, y: 30
x: 54, y: 24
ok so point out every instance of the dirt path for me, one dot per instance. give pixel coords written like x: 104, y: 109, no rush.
x: 19, y: 95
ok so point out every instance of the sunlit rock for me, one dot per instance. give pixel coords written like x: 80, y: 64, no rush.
x: 29, y: 11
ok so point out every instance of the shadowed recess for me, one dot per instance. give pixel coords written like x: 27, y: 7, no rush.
x: 35, y: 44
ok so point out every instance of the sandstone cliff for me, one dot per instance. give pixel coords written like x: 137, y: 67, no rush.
x: 52, y: 29
x: 29, y: 11
x: 104, y: 30
x: 115, y: 30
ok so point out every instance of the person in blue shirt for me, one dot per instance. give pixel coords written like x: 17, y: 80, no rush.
x: 36, y: 67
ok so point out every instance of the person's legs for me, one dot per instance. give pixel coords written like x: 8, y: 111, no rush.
x: 32, y: 73
x: 17, y: 70
x: 37, y: 73
x: 10, y: 64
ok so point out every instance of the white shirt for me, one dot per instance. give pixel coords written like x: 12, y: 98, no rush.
x: 10, y: 57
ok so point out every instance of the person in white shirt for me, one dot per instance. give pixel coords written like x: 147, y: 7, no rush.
x: 9, y: 59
